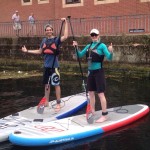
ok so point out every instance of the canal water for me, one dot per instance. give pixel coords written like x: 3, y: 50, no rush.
x: 19, y: 94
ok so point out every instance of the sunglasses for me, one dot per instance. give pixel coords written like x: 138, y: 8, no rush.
x: 48, y: 30
x: 93, y: 34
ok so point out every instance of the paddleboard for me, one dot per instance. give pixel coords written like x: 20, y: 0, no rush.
x: 76, y: 127
x: 69, y: 105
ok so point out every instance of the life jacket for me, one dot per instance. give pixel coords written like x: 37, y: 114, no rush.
x: 95, y: 57
x: 50, y: 47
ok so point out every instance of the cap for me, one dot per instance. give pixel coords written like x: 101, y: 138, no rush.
x: 94, y: 31
x: 16, y: 10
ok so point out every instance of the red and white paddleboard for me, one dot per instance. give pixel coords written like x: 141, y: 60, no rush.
x: 76, y: 127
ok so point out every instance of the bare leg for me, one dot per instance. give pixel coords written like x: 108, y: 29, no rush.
x: 58, y: 95
x: 58, y: 92
x: 16, y: 32
x: 104, y: 108
x: 34, y: 29
x: 47, y: 94
x: 92, y: 100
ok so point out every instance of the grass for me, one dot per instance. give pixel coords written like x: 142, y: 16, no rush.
x: 24, y: 68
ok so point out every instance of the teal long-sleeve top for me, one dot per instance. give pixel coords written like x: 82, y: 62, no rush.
x: 101, y: 50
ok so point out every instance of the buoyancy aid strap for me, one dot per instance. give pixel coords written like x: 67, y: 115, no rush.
x: 90, y: 52
x: 95, y: 47
x: 89, y: 49
x: 50, y: 47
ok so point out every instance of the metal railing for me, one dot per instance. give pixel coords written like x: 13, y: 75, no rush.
x: 115, y: 25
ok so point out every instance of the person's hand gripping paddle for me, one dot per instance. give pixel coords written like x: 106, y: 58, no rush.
x: 89, y: 115
x: 41, y: 105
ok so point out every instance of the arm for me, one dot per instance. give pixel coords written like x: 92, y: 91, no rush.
x: 108, y: 51
x: 13, y: 18
x: 65, y: 36
x: 29, y: 18
x: 110, y: 48
x: 82, y: 52
x: 38, y: 51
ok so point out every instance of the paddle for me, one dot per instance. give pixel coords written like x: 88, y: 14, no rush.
x: 89, y: 115
x: 41, y: 105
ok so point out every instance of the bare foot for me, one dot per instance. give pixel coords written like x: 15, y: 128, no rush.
x: 57, y: 109
x: 102, y: 119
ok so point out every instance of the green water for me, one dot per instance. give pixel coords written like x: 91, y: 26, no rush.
x: 19, y: 94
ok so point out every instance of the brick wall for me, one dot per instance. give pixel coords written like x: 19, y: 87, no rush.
x: 55, y: 9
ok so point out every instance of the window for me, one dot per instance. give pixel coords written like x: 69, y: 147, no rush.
x: 26, y: 2
x: 43, y: 1
x: 96, y: 2
x: 72, y: 3
x: 144, y: 0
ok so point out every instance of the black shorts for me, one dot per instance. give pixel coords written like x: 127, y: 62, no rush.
x: 51, y: 76
x: 96, y: 81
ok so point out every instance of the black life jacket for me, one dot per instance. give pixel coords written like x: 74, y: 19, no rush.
x: 50, y: 47
x: 93, y: 54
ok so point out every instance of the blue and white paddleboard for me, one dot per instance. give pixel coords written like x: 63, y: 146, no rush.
x: 76, y: 127
x: 69, y: 105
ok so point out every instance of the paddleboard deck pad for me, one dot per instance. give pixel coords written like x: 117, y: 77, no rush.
x: 76, y: 127
x: 69, y: 105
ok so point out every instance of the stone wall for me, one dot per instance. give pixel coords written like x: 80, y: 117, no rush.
x: 127, y: 49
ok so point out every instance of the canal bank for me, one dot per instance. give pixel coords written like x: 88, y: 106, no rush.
x: 25, y: 68
x: 131, y: 56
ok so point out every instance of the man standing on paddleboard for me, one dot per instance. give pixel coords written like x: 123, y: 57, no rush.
x: 49, y: 47
x: 95, y: 52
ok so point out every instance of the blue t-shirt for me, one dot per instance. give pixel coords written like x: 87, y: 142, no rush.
x: 101, y: 50
x: 49, y: 59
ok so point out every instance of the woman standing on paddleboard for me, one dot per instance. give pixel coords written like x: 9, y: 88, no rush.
x: 95, y: 52
x: 49, y: 47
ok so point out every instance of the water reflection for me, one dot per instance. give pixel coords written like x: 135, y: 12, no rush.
x: 16, y: 95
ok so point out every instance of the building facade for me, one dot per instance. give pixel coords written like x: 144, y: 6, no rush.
x: 55, y: 9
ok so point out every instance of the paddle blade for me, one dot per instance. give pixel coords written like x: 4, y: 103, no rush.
x: 41, y: 106
x: 89, y: 115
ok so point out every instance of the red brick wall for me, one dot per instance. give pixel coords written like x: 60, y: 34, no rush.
x: 54, y: 10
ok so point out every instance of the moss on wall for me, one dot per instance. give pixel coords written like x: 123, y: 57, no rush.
x: 127, y: 48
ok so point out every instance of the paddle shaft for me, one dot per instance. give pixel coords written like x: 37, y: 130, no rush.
x: 89, y: 115
x: 77, y: 55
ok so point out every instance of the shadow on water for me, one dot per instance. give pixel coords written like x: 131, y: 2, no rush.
x: 19, y: 94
